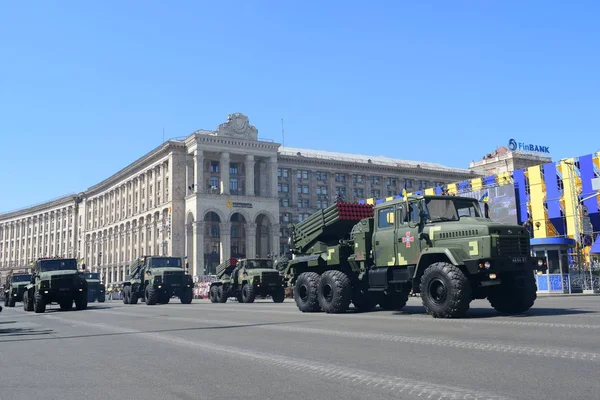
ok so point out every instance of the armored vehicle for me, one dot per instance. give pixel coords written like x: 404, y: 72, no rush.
x: 15, y: 287
x: 439, y: 246
x: 245, y: 279
x: 156, y: 279
x: 55, y: 280
x: 96, y: 290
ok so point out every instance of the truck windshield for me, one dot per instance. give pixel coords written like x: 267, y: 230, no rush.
x: 451, y: 209
x: 259, y: 264
x: 57, y: 265
x: 93, y: 275
x: 21, y: 278
x: 158, y: 262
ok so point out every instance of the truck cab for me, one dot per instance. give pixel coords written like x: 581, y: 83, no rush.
x: 15, y: 288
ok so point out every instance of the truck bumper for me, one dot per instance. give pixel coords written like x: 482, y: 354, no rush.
x: 506, y: 264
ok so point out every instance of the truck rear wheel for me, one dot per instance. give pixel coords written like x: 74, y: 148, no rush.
x: 81, y: 302
x: 39, y: 304
x: 516, y: 293
x: 11, y: 301
x: 445, y: 290
x: 306, y: 292
x: 222, y: 294
x: 278, y: 295
x: 335, y: 292
x: 248, y: 293
x: 126, y: 294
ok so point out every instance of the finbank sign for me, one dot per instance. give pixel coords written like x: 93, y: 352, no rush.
x: 514, y: 145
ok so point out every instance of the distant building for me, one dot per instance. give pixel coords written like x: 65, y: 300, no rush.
x: 505, y: 160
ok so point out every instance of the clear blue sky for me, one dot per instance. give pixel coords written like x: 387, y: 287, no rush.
x: 86, y: 87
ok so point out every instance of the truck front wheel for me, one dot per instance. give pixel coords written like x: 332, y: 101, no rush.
x: 515, y: 294
x: 278, y: 295
x: 248, y: 293
x: 185, y: 297
x: 306, y: 292
x: 212, y: 294
x: 39, y: 304
x: 151, y: 295
x: 126, y: 294
x: 335, y: 292
x: 12, y: 301
x: 446, y: 291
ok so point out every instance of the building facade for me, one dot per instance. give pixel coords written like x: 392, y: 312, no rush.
x: 207, y: 197
x: 505, y: 160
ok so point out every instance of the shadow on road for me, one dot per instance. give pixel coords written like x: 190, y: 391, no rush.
x: 93, y: 335
x: 10, y: 332
x: 475, y: 313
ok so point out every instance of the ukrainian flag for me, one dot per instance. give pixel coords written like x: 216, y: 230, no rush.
x: 485, y: 197
x: 404, y: 192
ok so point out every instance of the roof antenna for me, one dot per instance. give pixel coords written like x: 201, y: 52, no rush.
x: 282, y: 134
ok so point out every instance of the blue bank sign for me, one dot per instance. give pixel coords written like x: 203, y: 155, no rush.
x: 513, y: 145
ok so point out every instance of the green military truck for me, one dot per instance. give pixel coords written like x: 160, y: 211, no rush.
x: 55, y: 280
x: 96, y: 290
x: 245, y: 279
x: 439, y: 246
x: 15, y: 287
x: 156, y: 279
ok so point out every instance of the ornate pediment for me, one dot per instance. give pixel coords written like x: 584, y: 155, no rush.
x: 237, y: 125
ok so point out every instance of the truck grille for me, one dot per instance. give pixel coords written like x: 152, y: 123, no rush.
x: 513, y: 247
x: 270, y: 278
x: 171, y: 277
x: 62, y: 282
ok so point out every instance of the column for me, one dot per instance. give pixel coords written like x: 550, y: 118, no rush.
x: 275, y: 240
x: 198, y: 249
x: 251, y: 240
x: 140, y: 245
x: 273, y: 176
x: 225, y: 228
x: 189, y: 175
x: 152, y: 235
x: 224, y: 165
x: 199, y: 171
x: 249, y: 175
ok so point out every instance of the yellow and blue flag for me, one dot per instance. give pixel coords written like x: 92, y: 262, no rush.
x: 404, y: 192
x: 485, y: 197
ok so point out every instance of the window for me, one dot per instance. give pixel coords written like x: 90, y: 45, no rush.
x: 376, y: 193
x: 284, y: 202
x: 359, y: 192
x: 233, y: 184
x: 303, y: 189
x: 340, y: 178
x: 286, y: 188
x: 374, y: 180
x: 214, y: 182
x: 322, y: 190
x: 340, y: 191
x: 409, y: 183
x: 357, y: 178
x: 279, y: 172
x: 302, y: 174
x: 214, y: 166
x: 322, y: 204
x: 385, y: 218
x: 285, y: 172
x: 233, y: 168
x: 322, y: 176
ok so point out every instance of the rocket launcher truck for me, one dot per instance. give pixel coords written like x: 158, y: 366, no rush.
x: 245, y: 279
x: 440, y: 247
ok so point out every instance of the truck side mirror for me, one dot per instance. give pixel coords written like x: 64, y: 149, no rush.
x: 425, y: 236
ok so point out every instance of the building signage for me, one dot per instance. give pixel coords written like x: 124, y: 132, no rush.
x: 235, y: 204
x: 513, y: 145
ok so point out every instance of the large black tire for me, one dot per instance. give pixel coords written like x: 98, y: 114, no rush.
x: 212, y: 294
x: 39, y: 304
x: 362, y: 300
x: 445, y: 291
x: 66, y: 304
x: 12, y: 301
x: 278, y: 295
x: 335, y: 292
x: 126, y: 294
x: 248, y: 293
x: 27, y: 302
x: 6, y: 297
x: 306, y: 292
x: 516, y: 293
x: 133, y: 298
x: 151, y: 295
x: 102, y: 298
x: 81, y: 301
x: 222, y: 295
x: 186, y: 296
x: 394, y: 301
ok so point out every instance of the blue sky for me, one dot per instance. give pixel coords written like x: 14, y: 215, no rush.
x: 87, y: 87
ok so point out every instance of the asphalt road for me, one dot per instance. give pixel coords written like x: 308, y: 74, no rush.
x: 273, y: 351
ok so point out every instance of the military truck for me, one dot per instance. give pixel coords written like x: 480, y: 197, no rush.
x: 55, y: 280
x: 96, y: 290
x: 15, y: 287
x: 440, y: 247
x: 245, y: 279
x: 156, y: 279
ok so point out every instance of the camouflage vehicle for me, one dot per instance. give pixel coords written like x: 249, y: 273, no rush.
x: 96, y: 290
x: 15, y: 287
x: 55, y: 280
x: 156, y: 279
x: 439, y: 246
x: 245, y: 279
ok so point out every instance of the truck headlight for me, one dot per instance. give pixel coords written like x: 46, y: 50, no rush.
x: 44, y: 284
x: 487, y: 265
x: 540, y: 263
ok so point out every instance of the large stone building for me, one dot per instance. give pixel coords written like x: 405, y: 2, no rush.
x: 505, y: 160
x: 211, y: 196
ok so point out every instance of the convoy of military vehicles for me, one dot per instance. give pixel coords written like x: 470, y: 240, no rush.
x: 439, y: 247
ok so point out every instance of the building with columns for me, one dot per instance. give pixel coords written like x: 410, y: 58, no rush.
x: 206, y: 197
